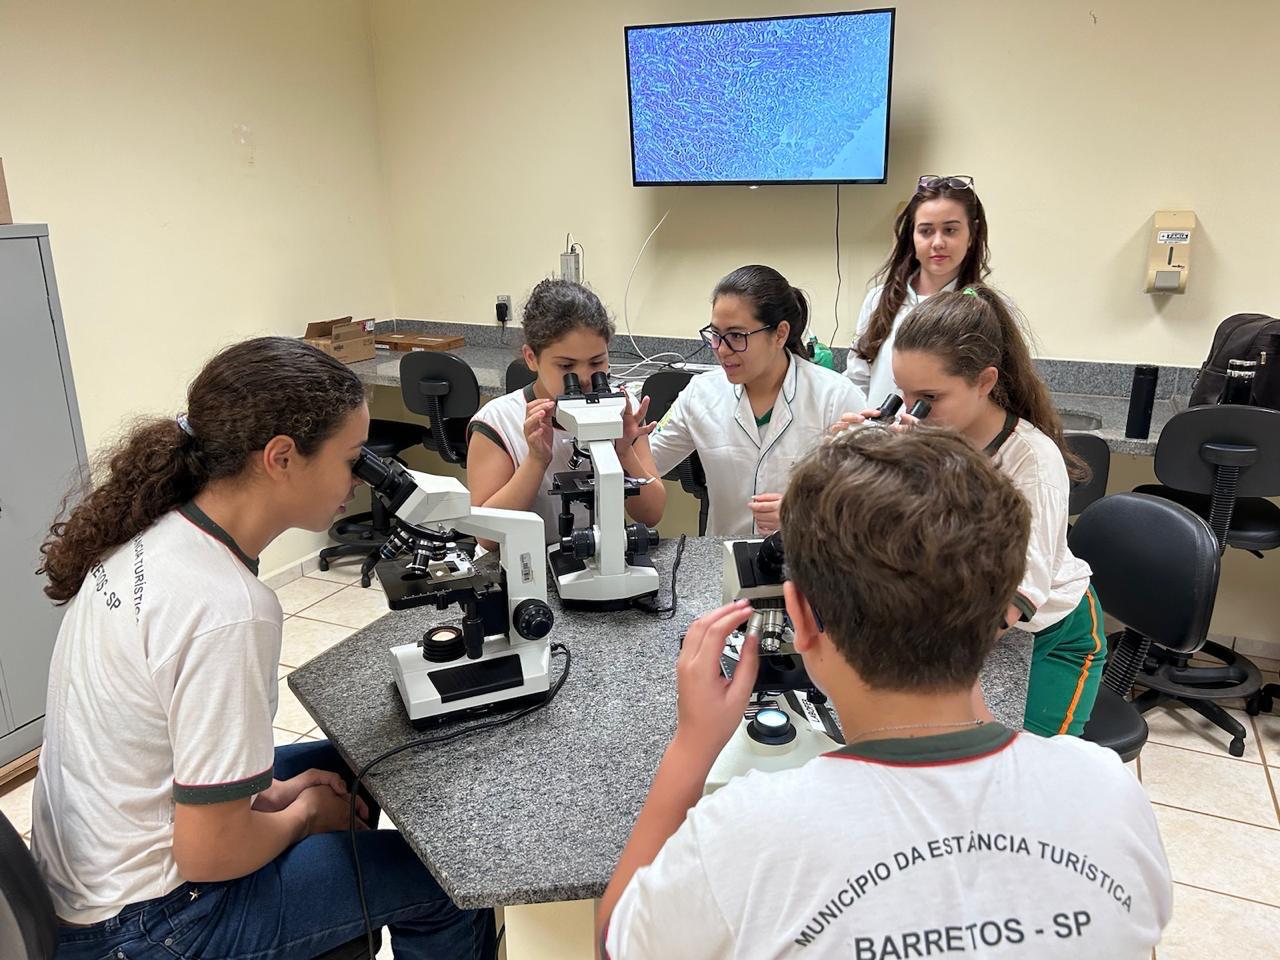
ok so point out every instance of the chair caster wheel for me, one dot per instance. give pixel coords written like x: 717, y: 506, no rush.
x: 1237, y: 747
x: 323, y: 564
x: 1253, y: 705
x: 1265, y: 702
x: 364, y: 581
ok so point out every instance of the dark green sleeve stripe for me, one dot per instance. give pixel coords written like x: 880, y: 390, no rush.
x: 486, y: 431
x: 1027, y: 608
x: 222, y: 792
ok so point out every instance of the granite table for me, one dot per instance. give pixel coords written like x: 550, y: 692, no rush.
x: 1093, y: 396
x: 538, y: 810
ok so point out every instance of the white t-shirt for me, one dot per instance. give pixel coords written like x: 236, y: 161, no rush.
x: 162, y: 689
x: 876, y: 379
x: 976, y: 843
x: 1055, y: 578
x: 502, y: 421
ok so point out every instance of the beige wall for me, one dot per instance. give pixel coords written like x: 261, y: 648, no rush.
x: 208, y: 171
x: 504, y: 125
x: 214, y: 170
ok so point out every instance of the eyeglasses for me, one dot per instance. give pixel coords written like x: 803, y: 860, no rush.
x: 736, y: 339
x: 931, y: 181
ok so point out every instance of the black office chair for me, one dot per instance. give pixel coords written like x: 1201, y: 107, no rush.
x: 662, y: 388
x: 1093, y: 450
x: 1221, y: 462
x: 518, y: 375
x: 28, y: 925
x: 442, y: 388
x: 1155, y: 569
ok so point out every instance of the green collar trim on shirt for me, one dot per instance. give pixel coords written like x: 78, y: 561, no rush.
x: 764, y: 417
x: 530, y: 394
x: 1010, y: 424
x: 202, y: 520
x: 970, y: 744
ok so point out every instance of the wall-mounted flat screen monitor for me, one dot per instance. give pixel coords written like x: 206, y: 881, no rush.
x: 782, y: 100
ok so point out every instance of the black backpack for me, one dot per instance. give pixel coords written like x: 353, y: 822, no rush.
x: 1242, y: 336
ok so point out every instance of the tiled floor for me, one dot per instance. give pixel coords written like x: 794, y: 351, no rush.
x: 1219, y: 816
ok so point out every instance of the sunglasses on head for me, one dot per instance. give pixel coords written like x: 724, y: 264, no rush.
x: 932, y: 181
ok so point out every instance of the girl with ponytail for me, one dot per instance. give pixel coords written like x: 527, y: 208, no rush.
x: 965, y: 352
x: 163, y: 814
x: 764, y: 409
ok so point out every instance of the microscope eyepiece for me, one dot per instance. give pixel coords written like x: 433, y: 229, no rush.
x: 572, y: 385
x: 920, y: 409
x: 599, y: 382
x: 771, y: 558
x: 371, y: 468
x: 892, y: 404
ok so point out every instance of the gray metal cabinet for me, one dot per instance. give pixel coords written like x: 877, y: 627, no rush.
x: 42, y: 455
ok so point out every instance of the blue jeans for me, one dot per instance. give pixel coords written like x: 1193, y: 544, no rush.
x: 300, y: 905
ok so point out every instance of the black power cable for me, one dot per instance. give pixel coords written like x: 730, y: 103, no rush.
x: 666, y: 613
x: 427, y: 741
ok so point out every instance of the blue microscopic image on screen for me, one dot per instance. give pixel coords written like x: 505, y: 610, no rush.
x: 758, y: 101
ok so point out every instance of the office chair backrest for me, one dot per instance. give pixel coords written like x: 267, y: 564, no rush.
x: 518, y: 375
x: 1093, y: 450
x: 28, y: 925
x: 662, y: 388
x: 442, y: 388
x: 1155, y: 566
x: 1194, y: 441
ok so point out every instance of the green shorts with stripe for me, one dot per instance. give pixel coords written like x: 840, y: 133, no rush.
x: 1066, y: 667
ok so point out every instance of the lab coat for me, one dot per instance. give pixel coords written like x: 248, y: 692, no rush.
x: 713, y: 418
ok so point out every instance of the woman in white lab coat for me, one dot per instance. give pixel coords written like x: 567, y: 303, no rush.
x: 940, y: 244
x: 764, y: 409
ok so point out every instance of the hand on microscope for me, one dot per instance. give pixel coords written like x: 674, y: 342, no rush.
x: 633, y: 426
x: 538, y: 431
x: 709, y: 707
x: 886, y: 414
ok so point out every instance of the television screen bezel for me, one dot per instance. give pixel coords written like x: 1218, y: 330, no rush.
x: 631, y: 126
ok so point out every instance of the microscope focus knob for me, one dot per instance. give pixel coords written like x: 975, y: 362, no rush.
x: 580, y: 544
x: 532, y: 619
x: 640, y: 538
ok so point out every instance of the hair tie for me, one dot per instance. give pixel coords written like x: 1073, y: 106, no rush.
x: 970, y: 292
x: 185, y: 425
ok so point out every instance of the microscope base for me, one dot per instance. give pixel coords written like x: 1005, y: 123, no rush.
x: 742, y: 753
x: 581, y: 587
x: 504, y: 677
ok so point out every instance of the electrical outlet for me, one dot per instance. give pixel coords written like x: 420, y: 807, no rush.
x: 502, y: 308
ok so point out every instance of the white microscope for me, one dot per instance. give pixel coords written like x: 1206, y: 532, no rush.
x: 788, y: 722
x: 606, y: 565
x: 499, y: 654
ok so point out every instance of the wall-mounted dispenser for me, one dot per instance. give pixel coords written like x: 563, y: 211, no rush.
x: 1169, y: 252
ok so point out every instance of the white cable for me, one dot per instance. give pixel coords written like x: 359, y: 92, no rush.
x: 626, y: 316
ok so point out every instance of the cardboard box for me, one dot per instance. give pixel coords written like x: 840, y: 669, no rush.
x: 345, y: 339
x: 404, y: 342
x: 6, y: 215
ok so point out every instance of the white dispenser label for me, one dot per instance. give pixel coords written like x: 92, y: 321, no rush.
x: 1173, y: 236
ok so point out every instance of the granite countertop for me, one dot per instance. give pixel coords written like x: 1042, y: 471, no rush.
x: 1093, y: 395
x: 540, y: 809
